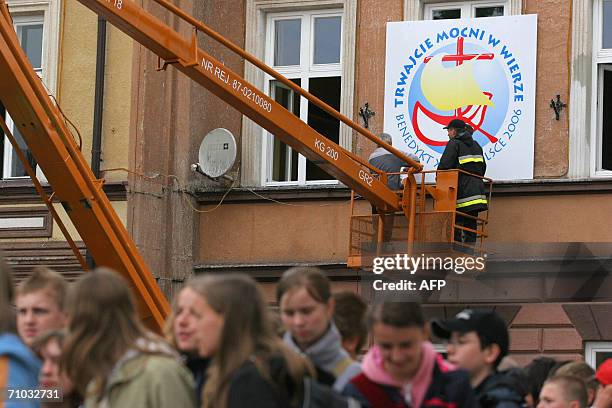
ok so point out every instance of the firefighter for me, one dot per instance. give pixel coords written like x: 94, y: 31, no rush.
x: 462, y: 152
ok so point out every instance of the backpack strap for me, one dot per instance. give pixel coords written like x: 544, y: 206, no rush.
x: 374, y: 393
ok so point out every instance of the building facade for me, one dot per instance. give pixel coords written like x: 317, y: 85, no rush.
x: 279, y: 210
x: 60, y: 39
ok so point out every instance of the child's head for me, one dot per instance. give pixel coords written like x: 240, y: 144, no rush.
x: 103, y: 324
x: 306, y: 304
x: 349, y: 316
x: 48, y: 347
x: 234, y: 328
x: 563, y: 391
x: 478, y: 341
x: 584, y: 371
x: 228, y: 329
x: 187, y: 311
x: 399, y: 330
x: 40, y: 304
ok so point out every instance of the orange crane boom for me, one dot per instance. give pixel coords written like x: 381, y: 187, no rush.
x: 42, y: 127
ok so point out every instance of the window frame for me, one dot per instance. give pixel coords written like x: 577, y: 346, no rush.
x: 599, y: 171
x: 465, y: 6
x: 414, y: 9
x: 601, y: 53
x: 592, y: 347
x: 253, y: 144
x: 7, y: 161
x: 602, y: 61
x: 30, y: 20
x: 306, y: 70
x: 268, y: 166
x: 324, y: 68
x: 26, y: 12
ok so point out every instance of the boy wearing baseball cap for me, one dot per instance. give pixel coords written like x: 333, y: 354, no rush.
x: 477, y: 342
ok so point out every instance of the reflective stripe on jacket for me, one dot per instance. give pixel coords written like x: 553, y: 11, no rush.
x: 464, y: 153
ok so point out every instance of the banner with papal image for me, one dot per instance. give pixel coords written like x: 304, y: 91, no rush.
x: 482, y: 71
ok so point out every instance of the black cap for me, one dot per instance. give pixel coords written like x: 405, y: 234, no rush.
x: 486, y: 323
x: 455, y: 124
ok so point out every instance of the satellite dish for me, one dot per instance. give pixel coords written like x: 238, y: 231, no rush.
x: 217, y: 152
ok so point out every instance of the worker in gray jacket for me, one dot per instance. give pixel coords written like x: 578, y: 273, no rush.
x: 389, y: 163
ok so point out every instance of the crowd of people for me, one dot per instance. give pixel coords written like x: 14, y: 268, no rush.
x: 222, y: 347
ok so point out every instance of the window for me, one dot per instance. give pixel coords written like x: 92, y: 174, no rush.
x: 465, y: 9
x: 596, y: 352
x: 257, y: 147
x: 602, y: 74
x: 30, y: 33
x: 606, y: 32
x: 37, y: 25
x: 307, y: 49
x: 605, y: 106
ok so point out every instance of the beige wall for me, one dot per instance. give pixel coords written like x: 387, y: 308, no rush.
x: 120, y: 208
x: 312, y: 232
x: 117, y: 102
x: 76, y: 84
x: 269, y: 233
x: 561, y: 218
x: 76, y: 78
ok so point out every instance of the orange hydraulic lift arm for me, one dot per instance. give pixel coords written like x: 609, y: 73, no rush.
x: 40, y: 124
x: 233, y: 89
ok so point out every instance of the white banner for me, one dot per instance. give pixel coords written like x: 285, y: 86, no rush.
x: 480, y: 70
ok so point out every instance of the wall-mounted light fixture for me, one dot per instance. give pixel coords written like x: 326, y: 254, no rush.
x: 366, y: 114
x: 557, y: 106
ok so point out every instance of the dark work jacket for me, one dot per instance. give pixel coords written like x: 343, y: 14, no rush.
x: 464, y: 153
x: 498, y: 391
x: 448, y: 389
